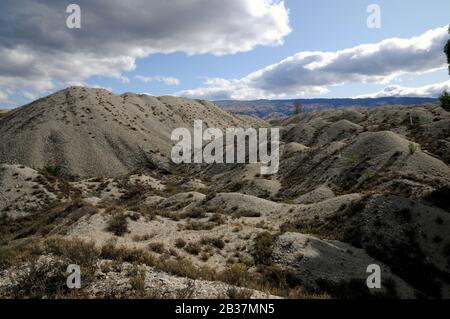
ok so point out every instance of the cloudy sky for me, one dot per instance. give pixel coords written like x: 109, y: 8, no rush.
x: 215, y: 49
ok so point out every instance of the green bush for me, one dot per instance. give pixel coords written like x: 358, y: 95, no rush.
x: 193, y: 249
x: 76, y: 251
x: 118, y: 224
x: 412, y: 148
x: 180, y: 243
x: 157, y: 248
x: 216, y: 242
x: 262, y: 249
x: 445, y: 101
x: 53, y: 170
x: 46, y: 280
x: 235, y: 274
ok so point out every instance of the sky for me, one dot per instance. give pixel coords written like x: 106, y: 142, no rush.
x: 235, y: 49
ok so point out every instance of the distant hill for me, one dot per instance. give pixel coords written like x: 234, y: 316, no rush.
x: 274, y: 109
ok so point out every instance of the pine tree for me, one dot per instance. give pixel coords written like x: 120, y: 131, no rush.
x: 445, y: 97
x: 447, y: 51
x: 445, y: 101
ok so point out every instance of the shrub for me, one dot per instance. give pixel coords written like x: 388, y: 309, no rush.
x: 445, y: 101
x: 278, y: 277
x: 44, y: 280
x: 58, y: 215
x: 145, y: 237
x: 52, y: 170
x: 133, y: 192
x: 217, y: 219
x: 235, y: 274
x: 216, y: 242
x: 246, y: 213
x: 236, y: 293
x: 192, y: 248
x: 194, y: 225
x: 412, y: 148
x: 137, y: 281
x: 184, y: 268
x: 180, y: 243
x: 146, y: 211
x: 262, y: 249
x: 351, y: 160
x: 111, y: 252
x: 369, y: 175
x: 194, y: 214
x: 205, y: 256
x: 76, y: 251
x: 8, y: 257
x: 118, y: 224
x: 157, y: 248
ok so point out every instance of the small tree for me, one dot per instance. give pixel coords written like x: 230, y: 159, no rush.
x: 445, y: 97
x: 298, y: 108
x: 445, y: 101
x: 447, y: 51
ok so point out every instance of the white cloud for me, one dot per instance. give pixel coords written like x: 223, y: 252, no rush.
x: 315, y: 72
x: 432, y: 90
x: 29, y: 95
x: 3, y: 96
x: 167, y: 80
x: 38, y: 51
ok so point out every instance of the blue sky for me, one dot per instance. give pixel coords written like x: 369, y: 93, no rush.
x: 316, y: 25
x: 321, y: 25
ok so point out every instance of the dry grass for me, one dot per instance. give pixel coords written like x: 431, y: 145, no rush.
x: 157, y: 248
x: 268, y: 278
x: 55, y: 219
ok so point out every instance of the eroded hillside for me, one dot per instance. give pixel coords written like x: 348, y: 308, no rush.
x: 356, y: 187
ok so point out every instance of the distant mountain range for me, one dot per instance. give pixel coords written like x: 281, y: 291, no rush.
x: 275, y: 109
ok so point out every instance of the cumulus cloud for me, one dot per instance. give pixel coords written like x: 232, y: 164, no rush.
x: 37, y: 50
x: 29, y: 95
x: 167, y: 80
x: 432, y: 90
x: 315, y: 72
x: 3, y: 96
